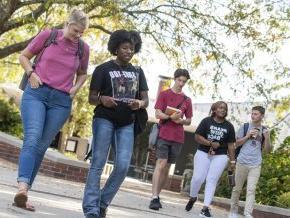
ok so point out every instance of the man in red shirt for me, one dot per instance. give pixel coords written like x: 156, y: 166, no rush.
x: 171, y: 133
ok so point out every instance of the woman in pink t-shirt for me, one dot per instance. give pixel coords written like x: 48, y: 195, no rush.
x: 47, y: 98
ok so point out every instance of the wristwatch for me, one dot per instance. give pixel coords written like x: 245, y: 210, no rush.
x: 29, y: 72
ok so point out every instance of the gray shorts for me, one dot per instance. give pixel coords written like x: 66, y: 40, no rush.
x: 168, y: 150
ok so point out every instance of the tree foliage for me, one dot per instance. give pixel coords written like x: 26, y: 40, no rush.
x: 218, y: 41
x: 192, y: 33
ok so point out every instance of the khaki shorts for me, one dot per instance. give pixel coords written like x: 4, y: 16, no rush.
x: 168, y: 150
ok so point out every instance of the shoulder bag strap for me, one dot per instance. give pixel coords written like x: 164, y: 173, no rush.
x: 181, y: 103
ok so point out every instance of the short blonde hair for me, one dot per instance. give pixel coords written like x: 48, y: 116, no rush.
x: 78, y: 16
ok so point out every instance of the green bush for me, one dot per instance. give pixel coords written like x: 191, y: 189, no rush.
x: 275, y: 177
x: 284, y: 200
x: 10, y: 120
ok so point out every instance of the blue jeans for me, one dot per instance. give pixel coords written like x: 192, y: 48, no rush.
x: 44, y: 110
x: 121, y: 139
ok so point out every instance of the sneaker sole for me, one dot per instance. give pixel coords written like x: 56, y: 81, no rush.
x: 201, y: 215
x: 153, y: 208
x: 188, y: 209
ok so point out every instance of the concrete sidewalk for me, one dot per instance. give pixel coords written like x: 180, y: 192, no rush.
x: 60, y: 198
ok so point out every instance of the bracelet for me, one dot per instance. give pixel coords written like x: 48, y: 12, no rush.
x: 100, y: 99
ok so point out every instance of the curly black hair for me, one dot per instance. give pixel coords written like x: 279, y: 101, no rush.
x: 120, y: 36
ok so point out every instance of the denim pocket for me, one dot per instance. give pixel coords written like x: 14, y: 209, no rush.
x: 36, y: 92
x: 29, y: 85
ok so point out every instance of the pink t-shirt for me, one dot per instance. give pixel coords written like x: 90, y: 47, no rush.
x: 171, y: 131
x: 59, y: 63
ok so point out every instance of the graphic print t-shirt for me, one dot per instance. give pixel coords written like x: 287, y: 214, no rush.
x: 223, y: 133
x: 121, y: 83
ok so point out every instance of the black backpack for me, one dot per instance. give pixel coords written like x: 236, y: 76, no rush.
x: 246, y: 127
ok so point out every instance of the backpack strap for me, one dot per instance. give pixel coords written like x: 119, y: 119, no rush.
x: 238, y: 149
x: 181, y: 103
x: 50, y: 40
x: 246, y: 128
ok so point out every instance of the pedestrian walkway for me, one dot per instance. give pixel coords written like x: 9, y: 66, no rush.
x: 60, y: 198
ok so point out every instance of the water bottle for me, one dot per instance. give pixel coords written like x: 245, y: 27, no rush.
x: 231, y: 178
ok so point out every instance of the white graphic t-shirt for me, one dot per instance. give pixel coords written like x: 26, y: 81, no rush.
x: 223, y: 133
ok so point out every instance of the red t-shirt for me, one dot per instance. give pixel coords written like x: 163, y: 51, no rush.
x: 171, y: 131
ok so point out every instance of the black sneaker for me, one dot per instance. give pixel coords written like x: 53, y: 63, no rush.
x: 205, y: 212
x: 155, y: 204
x: 103, y: 212
x: 160, y: 206
x: 190, y: 203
